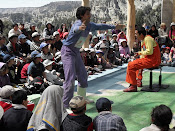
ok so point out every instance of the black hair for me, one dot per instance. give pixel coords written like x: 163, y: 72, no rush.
x: 19, y: 96
x: 78, y: 112
x: 14, y: 25
x: 162, y: 116
x: 81, y: 11
x: 142, y: 31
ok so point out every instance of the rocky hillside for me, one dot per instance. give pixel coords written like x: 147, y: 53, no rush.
x: 59, y: 12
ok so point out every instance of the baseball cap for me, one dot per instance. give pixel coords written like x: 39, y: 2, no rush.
x: 8, y: 57
x: 56, y: 33
x: 35, y: 54
x: 43, y: 44
x: 47, y: 62
x: 99, y: 51
x: 122, y: 40
x: 35, y: 34
x: 77, y: 103
x: 103, y: 46
x: 21, y: 36
x: 1, y: 112
x: 168, y: 48
x: 7, y: 91
x: 163, y: 46
x: 92, y: 50
x: 103, y: 104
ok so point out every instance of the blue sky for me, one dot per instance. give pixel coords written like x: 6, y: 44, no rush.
x: 26, y: 3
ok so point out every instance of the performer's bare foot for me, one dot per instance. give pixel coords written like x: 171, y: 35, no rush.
x: 131, y: 88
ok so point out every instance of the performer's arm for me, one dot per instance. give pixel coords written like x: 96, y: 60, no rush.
x: 149, y: 47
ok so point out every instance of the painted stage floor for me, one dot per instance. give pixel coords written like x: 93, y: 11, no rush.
x: 134, y: 108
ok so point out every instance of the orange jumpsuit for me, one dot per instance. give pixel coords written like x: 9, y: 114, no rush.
x: 150, y: 57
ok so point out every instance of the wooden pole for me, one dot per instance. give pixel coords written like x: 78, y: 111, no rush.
x: 130, y: 23
x: 86, y: 44
x: 173, y: 19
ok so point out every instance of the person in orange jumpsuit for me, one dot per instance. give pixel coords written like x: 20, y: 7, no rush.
x: 149, y: 57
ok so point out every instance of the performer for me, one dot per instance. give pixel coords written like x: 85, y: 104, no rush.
x: 70, y: 55
x: 149, y: 57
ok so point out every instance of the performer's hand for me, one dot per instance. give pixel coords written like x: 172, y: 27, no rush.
x: 119, y: 26
x: 83, y: 26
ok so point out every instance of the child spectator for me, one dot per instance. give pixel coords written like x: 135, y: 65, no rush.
x: 153, y: 32
x: 101, y: 61
x: 111, y: 55
x: 13, y: 46
x: 51, y: 75
x: 4, y: 78
x: 24, y: 75
x: 78, y: 120
x: 172, y: 34
x: 36, y: 69
x: 14, y: 79
x: 45, y: 54
x: 92, y: 57
x: 172, y: 56
x: 49, y: 112
x: 35, y: 45
x: 121, y: 35
x: 117, y: 54
x: 17, y: 117
x: 124, y: 50
x: 106, y: 121
x: 114, y: 39
x: 165, y: 57
x: 161, y: 117
x: 62, y: 30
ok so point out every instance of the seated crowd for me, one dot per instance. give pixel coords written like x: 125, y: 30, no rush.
x: 32, y: 60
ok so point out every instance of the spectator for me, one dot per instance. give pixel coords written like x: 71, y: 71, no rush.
x: 172, y: 56
x: 106, y: 121
x: 161, y: 117
x: 49, y: 112
x: 25, y: 48
x: 1, y: 26
x: 45, y: 54
x: 36, y: 68
x: 51, y: 75
x: 62, y: 30
x: 124, y: 50
x: 78, y: 120
x: 24, y: 75
x: 111, y: 55
x: 117, y: 54
x: 4, y: 78
x: 163, y: 34
x: 58, y: 44
x: 6, y: 97
x: 17, y: 117
x: 165, y: 57
x: 114, y: 39
x: 15, y: 30
x: 35, y: 45
x: 49, y: 30
x: 13, y: 46
x: 3, y: 47
x: 153, y: 32
x: 22, y: 29
x: 10, y: 60
x: 172, y: 34
x: 93, y: 58
x: 121, y: 35
x: 147, y: 29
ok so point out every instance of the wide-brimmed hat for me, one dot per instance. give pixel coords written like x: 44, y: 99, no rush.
x: 11, y: 35
x: 43, y: 44
x: 7, y: 91
x: 172, y: 24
